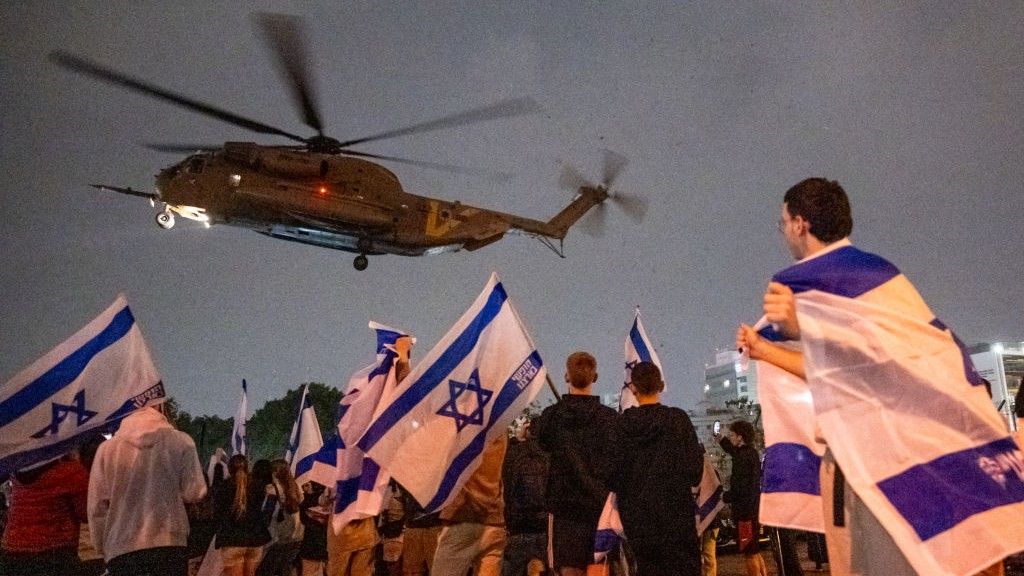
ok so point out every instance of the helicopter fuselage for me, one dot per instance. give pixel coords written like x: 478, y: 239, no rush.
x: 327, y: 200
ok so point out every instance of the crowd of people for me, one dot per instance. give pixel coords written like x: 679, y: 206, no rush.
x: 140, y: 503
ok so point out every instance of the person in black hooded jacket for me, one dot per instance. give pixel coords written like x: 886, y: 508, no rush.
x: 658, y: 462
x: 577, y: 433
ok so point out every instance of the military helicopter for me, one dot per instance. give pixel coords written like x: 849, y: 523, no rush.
x: 324, y: 193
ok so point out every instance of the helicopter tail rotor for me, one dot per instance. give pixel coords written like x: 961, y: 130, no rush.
x: 634, y: 206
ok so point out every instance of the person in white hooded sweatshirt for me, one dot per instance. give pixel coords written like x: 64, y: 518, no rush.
x: 140, y: 482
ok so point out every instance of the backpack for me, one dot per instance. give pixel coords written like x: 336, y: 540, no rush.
x: 527, y: 488
x: 285, y: 527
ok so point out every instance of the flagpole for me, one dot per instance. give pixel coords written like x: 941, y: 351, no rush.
x: 552, y: 386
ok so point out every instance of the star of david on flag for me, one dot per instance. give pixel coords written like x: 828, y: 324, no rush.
x: 97, y: 376
x: 465, y: 392
x: 470, y: 388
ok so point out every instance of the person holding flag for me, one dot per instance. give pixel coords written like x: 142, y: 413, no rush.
x: 446, y: 419
x: 942, y: 496
x: 360, y: 480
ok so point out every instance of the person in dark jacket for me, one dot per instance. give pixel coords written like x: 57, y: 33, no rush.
x: 524, y: 476
x: 658, y: 462
x: 577, y: 433
x: 744, y: 494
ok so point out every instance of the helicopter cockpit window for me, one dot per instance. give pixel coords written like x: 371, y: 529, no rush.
x: 195, y: 166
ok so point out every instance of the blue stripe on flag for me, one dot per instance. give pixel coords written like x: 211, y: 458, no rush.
x: 791, y: 467
x: 347, y: 490
x: 510, y: 391
x: 461, y: 347
x: 638, y: 343
x: 709, y: 505
x: 305, y: 464
x: 66, y: 371
x: 936, y: 496
x: 386, y: 337
x: 846, y: 271
x: 604, y: 540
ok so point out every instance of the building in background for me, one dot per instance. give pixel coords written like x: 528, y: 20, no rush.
x: 1002, y: 364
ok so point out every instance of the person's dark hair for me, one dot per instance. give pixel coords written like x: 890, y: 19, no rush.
x: 646, y: 378
x: 581, y: 369
x: 822, y: 203
x: 283, y: 479
x: 262, y: 473
x: 744, y: 430
x: 1018, y: 400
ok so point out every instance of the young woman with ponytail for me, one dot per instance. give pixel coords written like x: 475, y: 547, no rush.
x: 242, y: 529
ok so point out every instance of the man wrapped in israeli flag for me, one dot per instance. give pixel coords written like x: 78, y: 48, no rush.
x: 934, y: 483
x: 432, y: 431
x: 98, y: 376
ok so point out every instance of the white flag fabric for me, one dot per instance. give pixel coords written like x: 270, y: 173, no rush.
x: 464, y: 393
x: 97, y: 376
x: 238, y: 429
x: 906, y: 416
x: 360, y: 481
x: 790, y: 483
x: 609, y: 529
x: 305, y: 440
x: 323, y: 467
x: 709, y: 496
x: 638, y: 348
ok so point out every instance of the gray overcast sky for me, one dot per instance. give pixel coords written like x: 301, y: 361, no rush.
x: 915, y: 108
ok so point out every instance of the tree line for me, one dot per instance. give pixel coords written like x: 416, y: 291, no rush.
x: 267, y: 430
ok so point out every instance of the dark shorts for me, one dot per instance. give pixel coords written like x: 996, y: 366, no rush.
x: 572, y: 541
x: 748, y: 535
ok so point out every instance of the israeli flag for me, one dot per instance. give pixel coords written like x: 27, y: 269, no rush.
x: 790, y: 483
x: 305, y: 440
x: 359, y: 481
x: 238, y: 429
x: 708, y: 496
x: 323, y: 467
x: 906, y: 416
x: 467, y: 390
x: 98, y: 376
x: 638, y: 348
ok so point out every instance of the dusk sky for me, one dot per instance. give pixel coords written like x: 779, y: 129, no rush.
x: 915, y: 108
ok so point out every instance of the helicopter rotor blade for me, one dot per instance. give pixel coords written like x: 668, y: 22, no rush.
x: 634, y: 206
x: 285, y: 34
x: 100, y: 72
x: 503, y: 109
x: 182, y: 148
x: 496, y: 176
x: 613, y: 165
x: 572, y: 180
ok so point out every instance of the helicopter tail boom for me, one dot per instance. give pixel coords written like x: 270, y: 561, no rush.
x: 558, y: 226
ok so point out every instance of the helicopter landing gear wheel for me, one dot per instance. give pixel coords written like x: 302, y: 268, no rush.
x: 361, y: 262
x: 165, y: 220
